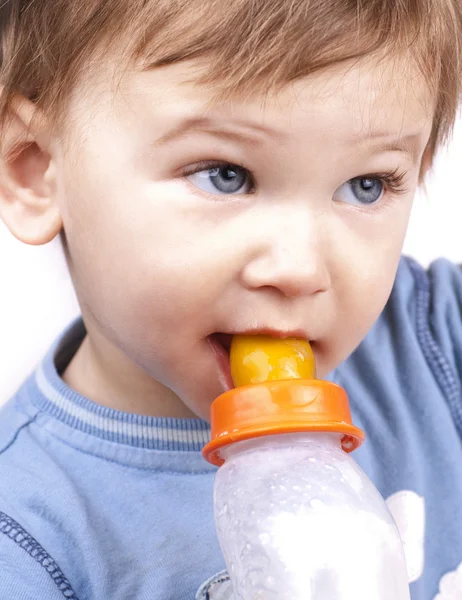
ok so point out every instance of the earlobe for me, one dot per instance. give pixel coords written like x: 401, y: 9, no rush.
x: 27, y: 185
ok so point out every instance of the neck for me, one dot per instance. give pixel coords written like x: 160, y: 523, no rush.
x: 102, y: 373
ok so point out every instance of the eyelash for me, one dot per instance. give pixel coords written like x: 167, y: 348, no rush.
x: 393, y: 180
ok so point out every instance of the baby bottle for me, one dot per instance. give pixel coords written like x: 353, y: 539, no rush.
x: 296, y: 518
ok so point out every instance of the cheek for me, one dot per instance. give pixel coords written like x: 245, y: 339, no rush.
x: 362, y: 279
x: 142, y: 260
x: 371, y: 246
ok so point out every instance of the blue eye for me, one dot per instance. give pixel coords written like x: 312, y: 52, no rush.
x: 361, y: 191
x: 224, y: 179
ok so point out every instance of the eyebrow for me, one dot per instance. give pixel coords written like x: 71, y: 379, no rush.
x: 242, y: 131
x: 406, y: 145
x: 255, y: 134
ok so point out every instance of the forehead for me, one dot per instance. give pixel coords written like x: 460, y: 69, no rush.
x: 368, y: 97
x: 371, y: 95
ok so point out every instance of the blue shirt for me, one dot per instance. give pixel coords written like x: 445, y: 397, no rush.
x: 98, y: 504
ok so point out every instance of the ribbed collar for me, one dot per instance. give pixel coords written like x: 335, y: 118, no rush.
x: 64, y: 404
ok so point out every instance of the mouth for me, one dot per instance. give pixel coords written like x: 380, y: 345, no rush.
x: 221, y: 345
x: 224, y: 339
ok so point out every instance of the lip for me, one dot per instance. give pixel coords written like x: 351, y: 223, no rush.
x: 275, y: 333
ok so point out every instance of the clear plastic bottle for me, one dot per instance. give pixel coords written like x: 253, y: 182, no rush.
x: 296, y: 517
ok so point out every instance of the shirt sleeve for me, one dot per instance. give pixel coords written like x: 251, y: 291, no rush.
x: 438, y: 318
x: 27, y: 571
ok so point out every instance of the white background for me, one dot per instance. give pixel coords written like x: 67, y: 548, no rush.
x: 37, y: 299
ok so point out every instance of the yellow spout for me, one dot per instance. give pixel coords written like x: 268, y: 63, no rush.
x: 259, y: 358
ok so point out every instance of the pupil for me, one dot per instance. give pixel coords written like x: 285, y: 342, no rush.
x: 228, y: 174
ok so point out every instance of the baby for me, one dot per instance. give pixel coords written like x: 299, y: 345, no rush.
x: 216, y: 168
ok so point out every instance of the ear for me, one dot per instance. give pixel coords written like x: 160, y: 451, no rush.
x: 27, y: 199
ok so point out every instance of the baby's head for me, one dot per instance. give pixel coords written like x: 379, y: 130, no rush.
x: 221, y: 167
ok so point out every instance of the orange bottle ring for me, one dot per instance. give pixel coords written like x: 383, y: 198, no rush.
x: 273, y: 407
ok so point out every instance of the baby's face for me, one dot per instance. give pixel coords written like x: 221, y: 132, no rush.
x: 185, y: 220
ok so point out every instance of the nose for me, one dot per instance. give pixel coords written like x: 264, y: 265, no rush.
x: 291, y: 257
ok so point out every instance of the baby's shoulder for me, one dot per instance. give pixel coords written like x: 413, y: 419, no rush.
x: 441, y: 280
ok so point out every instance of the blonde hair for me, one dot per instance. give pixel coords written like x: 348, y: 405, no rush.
x: 250, y: 45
